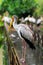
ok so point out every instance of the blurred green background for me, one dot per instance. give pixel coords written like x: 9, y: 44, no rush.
x: 22, y: 7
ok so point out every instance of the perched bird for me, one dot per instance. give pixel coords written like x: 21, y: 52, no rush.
x: 38, y: 22
x: 30, y: 19
x: 22, y: 20
x: 6, y: 19
x: 24, y: 32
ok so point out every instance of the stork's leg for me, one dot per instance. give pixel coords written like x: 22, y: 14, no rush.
x: 23, y: 50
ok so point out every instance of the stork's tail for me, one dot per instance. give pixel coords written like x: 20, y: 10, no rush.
x: 31, y: 45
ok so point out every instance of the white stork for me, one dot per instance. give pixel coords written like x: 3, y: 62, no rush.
x: 39, y: 21
x: 25, y: 33
x: 30, y: 19
x: 33, y: 20
x: 6, y: 19
x: 22, y: 20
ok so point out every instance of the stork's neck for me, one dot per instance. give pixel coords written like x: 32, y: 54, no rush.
x: 15, y: 25
x: 15, y: 22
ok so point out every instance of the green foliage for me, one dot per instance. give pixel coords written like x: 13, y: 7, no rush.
x: 39, y: 10
x: 1, y: 24
x: 1, y: 31
x: 1, y: 2
x: 1, y: 35
x: 5, y: 58
x: 18, y: 6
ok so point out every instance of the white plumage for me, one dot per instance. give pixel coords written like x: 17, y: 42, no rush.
x: 22, y: 20
x: 39, y: 21
x: 30, y: 19
x: 6, y: 19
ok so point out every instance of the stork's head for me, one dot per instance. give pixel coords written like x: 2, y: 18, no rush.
x: 14, y: 17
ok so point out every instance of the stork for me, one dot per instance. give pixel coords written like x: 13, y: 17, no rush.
x: 25, y: 34
x: 22, y: 20
x: 39, y: 21
x: 31, y: 20
x: 8, y: 20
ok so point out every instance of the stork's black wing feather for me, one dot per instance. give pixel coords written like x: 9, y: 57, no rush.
x: 31, y: 45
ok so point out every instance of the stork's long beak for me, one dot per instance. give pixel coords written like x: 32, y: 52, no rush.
x: 10, y: 25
